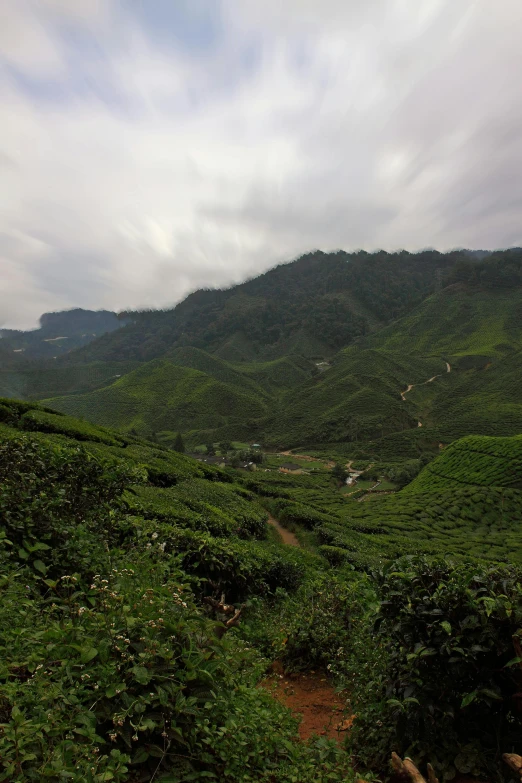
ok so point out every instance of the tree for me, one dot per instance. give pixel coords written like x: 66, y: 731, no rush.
x: 178, y: 444
x: 339, y: 473
x: 210, y: 449
x: 225, y: 446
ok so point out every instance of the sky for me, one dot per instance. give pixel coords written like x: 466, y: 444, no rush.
x: 152, y: 147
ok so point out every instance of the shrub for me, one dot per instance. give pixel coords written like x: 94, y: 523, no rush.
x: 447, y: 689
x: 123, y: 680
x: 57, y: 503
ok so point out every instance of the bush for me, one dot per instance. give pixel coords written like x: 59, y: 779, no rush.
x: 58, y: 504
x: 123, y: 681
x: 446, y: 691
x: 313, y: 627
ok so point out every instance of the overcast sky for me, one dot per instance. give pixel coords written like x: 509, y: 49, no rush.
x: 151, y: 147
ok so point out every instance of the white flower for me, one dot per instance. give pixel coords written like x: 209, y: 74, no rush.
x: 154, y: 535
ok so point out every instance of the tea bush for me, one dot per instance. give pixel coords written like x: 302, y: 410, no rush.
x: 441, y: 679
x: 59, y: 504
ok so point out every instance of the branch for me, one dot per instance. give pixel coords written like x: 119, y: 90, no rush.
x: 408, y: 770
x: 235, y: 619
x: 220, y: 606
x: 515, y: 762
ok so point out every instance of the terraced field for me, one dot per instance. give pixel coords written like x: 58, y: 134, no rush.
x: 467, y: 502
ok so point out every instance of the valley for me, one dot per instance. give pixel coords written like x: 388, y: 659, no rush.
x: 300, y: 496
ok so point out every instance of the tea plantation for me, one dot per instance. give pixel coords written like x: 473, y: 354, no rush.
x: 143, y: 597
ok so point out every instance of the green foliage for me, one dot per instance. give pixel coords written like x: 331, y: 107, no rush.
x: 446, y: 689
x: 43, y: 421
x: 178, y: 444
x: 312, y: 627
x: 57, y: 504
x: 339, y: 473
x: 126, y: 677
x: 111, y: 668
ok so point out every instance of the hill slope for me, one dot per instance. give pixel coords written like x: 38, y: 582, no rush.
x: 248, y: 358
x: 467, y: 502
x: 61, y: 332
x: 161, y: 395
x: 312, y: 306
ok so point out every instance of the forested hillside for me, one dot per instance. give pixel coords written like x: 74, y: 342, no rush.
x: 60, y: 333
x: 321, y: 302
x: 261, y: 361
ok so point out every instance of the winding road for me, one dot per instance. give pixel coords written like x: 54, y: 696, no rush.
x: 430, y: 380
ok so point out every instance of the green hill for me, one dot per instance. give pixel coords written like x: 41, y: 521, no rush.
x: 356, y: 400
x: 486, y: 400
x: 161, y: 395
x: 459, y: 321
x: 467, y: 503
x: 44, y: 380
x: 249, y: 362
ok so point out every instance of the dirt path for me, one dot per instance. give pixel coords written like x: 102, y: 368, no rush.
x: 430, y: 380
x: 307, y: 458
x: 311, y: 697
x: 403, y: 394
x: 288, y: 537
x: 352, y: 470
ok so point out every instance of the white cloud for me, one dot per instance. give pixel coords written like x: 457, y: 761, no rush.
x: 135, y: 169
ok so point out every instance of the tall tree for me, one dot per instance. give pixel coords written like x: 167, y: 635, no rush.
x: 178, y: 444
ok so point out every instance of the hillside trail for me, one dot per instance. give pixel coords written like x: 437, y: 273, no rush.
x: 430, y: 380
x: 307, y: 458
x: 310, y: 696
x: 352, y: 470
x: 288, y: 538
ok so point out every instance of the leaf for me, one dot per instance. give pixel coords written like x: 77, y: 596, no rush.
x: 140, y: 756
x: 491, y: 694
x: 446, y: 626
x: 513, y: 662
x: 112, y: 690
x: 88, y: 653
x: 468, y: 698
x: 40, y: 566
x: 23, y: 554
x: 141, y: 674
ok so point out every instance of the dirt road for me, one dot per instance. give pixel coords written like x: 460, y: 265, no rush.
x: 288, y: 537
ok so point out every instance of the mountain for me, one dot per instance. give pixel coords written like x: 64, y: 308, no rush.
x: 60, y: 333
x: 435, y: 357
x: 156, y: 592
x: 313, y: 306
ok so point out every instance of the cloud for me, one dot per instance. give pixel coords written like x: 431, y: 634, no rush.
x: 147, y: 149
